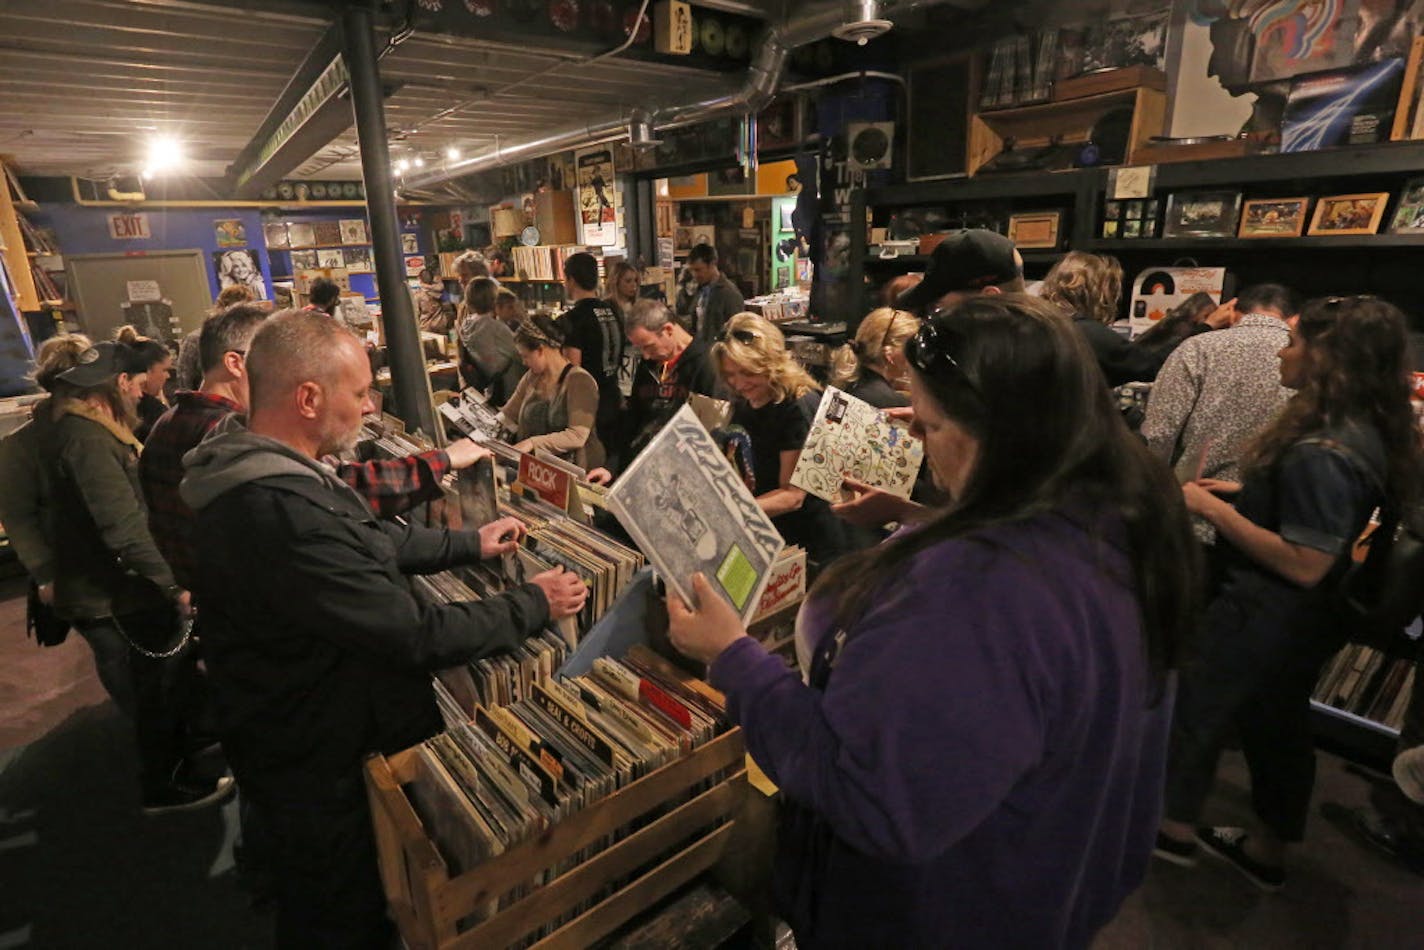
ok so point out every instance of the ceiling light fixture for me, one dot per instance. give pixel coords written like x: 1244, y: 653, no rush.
x: 403, y: 165
x: 452, y: 153
x: 165, y: 154
x: 419, y: 162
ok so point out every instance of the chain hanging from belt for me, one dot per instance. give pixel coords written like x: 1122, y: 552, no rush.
x: 185, y: 626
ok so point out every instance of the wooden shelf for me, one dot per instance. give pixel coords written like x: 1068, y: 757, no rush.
x: 1070, y: 121
x: 1052, y: 109
x: 1359, y: 242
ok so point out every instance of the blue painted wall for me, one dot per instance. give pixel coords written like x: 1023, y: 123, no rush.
x: 81, y: 230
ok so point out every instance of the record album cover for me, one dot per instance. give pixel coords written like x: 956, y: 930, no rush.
x: 690, y: 511
x: 851, y: 437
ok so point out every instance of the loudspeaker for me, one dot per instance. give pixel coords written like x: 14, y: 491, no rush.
x: 870, y: 146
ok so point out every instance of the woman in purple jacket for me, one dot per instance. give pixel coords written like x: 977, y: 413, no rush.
x: 977, y: 759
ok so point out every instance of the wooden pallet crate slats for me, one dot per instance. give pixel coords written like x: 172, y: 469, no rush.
x: 528, y: 858
x: 647, y: 890
x: 427, y: 902
x: 569, y: 890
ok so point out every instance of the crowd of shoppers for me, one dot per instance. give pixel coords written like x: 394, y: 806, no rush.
x: 1121, y: 604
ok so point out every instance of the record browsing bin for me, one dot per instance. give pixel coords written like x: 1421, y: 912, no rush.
x: 671, y: 847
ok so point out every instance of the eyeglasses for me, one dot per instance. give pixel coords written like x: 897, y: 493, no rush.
x: 747, y: 337
x: 929, y: 353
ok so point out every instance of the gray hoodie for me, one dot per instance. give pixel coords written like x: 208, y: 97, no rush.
x: 232, y: 456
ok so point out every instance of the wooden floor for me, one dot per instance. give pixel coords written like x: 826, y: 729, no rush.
x: 81, y: 868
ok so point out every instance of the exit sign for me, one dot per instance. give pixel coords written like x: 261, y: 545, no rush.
x: 129, y: 227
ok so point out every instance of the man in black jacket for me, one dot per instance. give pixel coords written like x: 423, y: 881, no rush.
x: 318, y: 653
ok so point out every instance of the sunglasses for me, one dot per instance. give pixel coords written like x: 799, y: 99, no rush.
x: 747, y: 337
x: 928, y: 352
x: 890, y: 328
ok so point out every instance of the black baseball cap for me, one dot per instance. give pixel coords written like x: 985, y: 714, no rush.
x: 965, y: 260
x: 99, y: 364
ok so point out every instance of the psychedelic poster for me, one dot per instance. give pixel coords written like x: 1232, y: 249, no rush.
x: 597, y: 215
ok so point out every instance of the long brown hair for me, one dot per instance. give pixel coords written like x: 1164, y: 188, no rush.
x: 1024, y: 383
x: 1356, y: 369
x: 1086, y: 284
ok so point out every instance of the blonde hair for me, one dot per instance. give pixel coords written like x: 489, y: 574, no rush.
x: 57, y: 354
x: 882, y: 327
x: 615, y: 276
x: 763, y: 354
x: 1085, y: 284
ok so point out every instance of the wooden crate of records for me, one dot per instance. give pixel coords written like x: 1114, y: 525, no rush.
x: 576, y: 879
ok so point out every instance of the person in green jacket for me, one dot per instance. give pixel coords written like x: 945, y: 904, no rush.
x: 24, y: 504
x: 110, y: 581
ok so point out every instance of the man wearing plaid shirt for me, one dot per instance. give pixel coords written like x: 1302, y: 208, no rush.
x: 389, y: 486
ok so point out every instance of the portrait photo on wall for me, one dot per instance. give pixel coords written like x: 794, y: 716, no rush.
x: 239, y: 267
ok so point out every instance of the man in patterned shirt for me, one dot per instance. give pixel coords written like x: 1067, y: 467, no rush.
x: 1218, y: 390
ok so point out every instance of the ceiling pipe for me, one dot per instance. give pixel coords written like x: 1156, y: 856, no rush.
x: 815, y: 22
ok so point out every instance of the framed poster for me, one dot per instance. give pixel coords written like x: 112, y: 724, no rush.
x: 1036, y: 230
x: 1409, y: 215
x: 1349, y: 214
x: 1302, y: 36
x: 1198, y: 214
x: 235, y: 267
x: 410, y: 244
x: 1273, y: 217
x: 598, y: 217
x: 230, y: 232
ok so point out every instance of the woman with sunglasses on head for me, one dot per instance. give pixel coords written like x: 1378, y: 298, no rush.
x: 975, y: 759
x: 872, y: 366
x: 775, y: 401
x: 1346, y: 443
x: 554, y: 405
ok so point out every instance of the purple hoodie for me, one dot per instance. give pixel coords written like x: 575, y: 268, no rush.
x: 983, y: 768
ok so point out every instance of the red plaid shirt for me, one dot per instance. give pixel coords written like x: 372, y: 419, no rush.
x: 390, y: 486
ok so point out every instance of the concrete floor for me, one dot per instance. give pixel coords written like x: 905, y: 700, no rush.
x: 81, y: 868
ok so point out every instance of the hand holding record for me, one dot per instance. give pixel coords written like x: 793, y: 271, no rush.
x: 703, y: 633
x: 500, y: 537
x: 563, y: 590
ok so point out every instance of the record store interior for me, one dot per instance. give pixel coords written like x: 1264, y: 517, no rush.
x: 746, y: 474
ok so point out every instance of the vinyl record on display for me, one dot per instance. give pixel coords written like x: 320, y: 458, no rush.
x: 285, y: 191
x: 351, y: 190
x: 711, y: 36
x: 269, y: 193
x: 529, y: 237
x: 1159, y: 282
x: 318, y: 190
x: 738, y: 43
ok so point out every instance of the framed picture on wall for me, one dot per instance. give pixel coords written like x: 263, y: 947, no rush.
x: 1200, y: 214
x: 239, y: 267
x: 1409, y: 215
x: 1273, y: 217
x: 330, y: 257
x: 358, y: 259
x: 410, y: 244
x: 230, y: 232
x: 1036, y: 230
x: 1349, y: 214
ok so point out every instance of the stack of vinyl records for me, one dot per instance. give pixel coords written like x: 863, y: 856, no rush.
x: 1368, y: 683
x: 472, y: 415
x: 510, y: 773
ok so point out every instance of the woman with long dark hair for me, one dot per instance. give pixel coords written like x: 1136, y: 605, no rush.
x: 1346, y: 443
x: 157, y: 361
x: 976, y: 758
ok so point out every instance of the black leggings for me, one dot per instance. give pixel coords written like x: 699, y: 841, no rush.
x: 1259, y: 661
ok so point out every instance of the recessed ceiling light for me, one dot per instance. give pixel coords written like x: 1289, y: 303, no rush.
x: 452, y: 153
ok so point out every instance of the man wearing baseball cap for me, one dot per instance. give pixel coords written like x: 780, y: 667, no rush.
x: 964, y: 264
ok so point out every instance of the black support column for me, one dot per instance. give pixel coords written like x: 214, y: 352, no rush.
x: 405, y: 356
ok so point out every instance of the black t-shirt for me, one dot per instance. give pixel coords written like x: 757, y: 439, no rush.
x: 874, y: 389
x: 658, y: 393
x: 782, y: 427
x: 592, y: 327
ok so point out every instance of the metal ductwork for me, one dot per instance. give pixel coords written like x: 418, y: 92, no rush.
x: 814, y: 22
